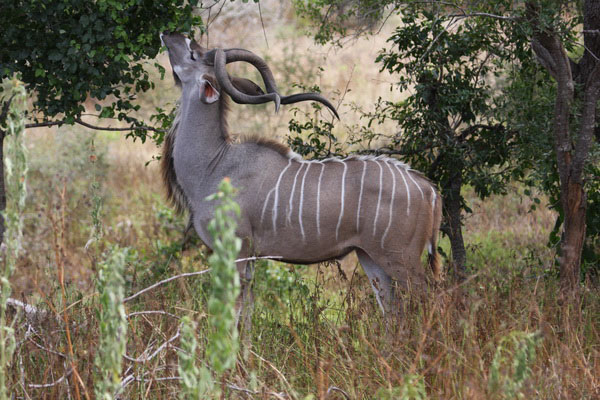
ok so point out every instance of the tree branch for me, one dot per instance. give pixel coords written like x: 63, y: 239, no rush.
x: 553, y: 56
x: 143, y: 359
x: 133, y: 128
x: 483, y: 14
x: 382, y: 150
x: 133, y: 296
x: 98, y: 128
x: 588, y: 124
x: 43, y: 124
x: 543, y: 56
x: 56, y: 382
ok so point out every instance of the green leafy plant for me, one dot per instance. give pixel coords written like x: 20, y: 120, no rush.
x: 195, y: 382
x: 413, y: 388
x: 511, y: 365
x: 15, y: 166
x: 223, y: 345
x: 225, y: 284
x: 113, y: 324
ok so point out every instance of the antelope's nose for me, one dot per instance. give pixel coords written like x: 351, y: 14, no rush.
x: 165, y: 33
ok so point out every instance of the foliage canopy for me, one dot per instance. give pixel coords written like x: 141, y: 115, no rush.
x: 66, y: 50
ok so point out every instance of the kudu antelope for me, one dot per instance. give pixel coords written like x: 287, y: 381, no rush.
x: 302, y: 211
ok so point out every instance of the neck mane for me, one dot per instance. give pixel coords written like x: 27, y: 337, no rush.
x: 175, y: 194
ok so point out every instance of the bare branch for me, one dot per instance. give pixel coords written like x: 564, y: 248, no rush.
x: 58, y: 353
x: 482, y: 14
x: 95, y: 127
x: 270, y: 364
x: 125, y: 300
x: 544, y: 57
x: 337, y: 389
x: 132, y: 378
x: 464, y: 14
x: 43, y: 124
x: 588, y: 124
x: 380, y: 151
x: 158, y: 350
x: 56, y: 382
x: 444, y: 30
x: 133, y: 314
x: 32, y: 313
x: 263, y: 24
x: 108, y: 128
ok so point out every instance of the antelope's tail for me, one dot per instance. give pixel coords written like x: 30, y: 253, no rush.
x: 434, y: 259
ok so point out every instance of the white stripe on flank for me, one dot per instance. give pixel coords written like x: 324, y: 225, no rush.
x: 319, y: 200
x: 433, y: 199
x: 262, y: 215
x: 291, y: 204
x: 407, y: 191
x: 337, y: 228
x: 362, y: 181
x: 387, y: 228
x: 415, y: 182
x: 302, y: 201
x: 276, y: 201
x: 379, y: 198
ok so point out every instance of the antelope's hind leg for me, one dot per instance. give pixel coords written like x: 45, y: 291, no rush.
x: 380, y: 282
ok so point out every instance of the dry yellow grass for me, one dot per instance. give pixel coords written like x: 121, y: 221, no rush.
x: 313, y: 327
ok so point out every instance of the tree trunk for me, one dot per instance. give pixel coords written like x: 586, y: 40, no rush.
x: 452, y: 206
x: 573, y: 235
x: 571, y: 153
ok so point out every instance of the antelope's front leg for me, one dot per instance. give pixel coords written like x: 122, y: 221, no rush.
x: 245, y: 301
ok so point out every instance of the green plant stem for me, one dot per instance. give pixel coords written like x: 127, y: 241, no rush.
x: 15, y: 164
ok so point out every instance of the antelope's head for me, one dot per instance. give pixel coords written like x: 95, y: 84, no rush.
x: 196, y: 68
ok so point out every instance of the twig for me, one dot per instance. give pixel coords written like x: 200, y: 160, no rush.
x: 464, y: 14
x: 380, y: 151
x: 482, y: 14
x: 22, y: 376
x: 29, y: 310
x: 210, y: 21
x: 263, y: 24
x: 43, y: 124
x: 270, y: 364
x: 337, y: 389
x: 132, y: 378
x: 90, y: 126
x: 59, y: 245
x: 133, y: 314
x: 56, y: 382
x: 125, y: 300
x: 108, y: 128
x: 158, y: 350
x: 58, y: 353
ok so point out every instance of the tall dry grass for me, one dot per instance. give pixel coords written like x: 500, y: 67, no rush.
x: 506, y: 332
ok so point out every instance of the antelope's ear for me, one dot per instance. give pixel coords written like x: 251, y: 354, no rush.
x: 208, y: 89
x: 246, y: 86
x: 198, y: 49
